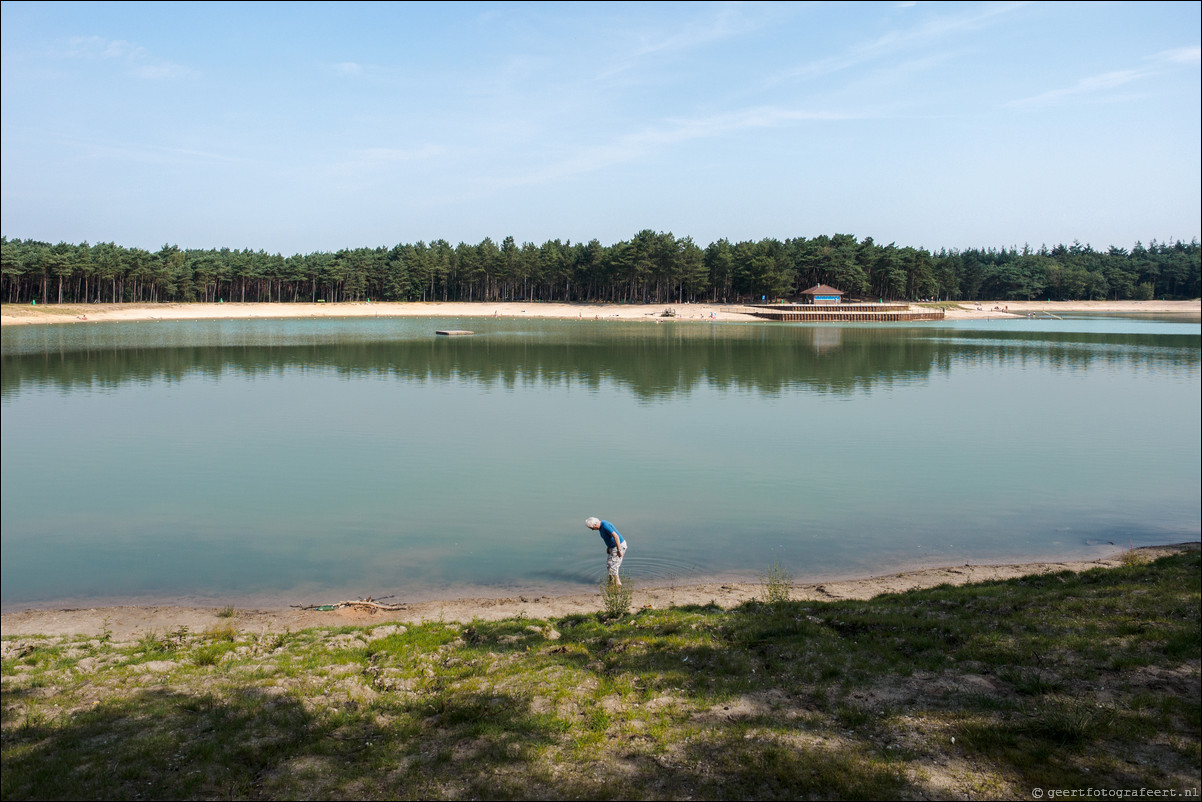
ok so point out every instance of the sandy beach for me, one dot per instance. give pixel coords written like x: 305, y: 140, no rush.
x: 28, y: 314
x: 1019, y: 309
x: 12, y: 314
x: 131, y: 621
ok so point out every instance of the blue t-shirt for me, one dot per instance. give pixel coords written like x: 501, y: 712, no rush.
x: 610, y: 535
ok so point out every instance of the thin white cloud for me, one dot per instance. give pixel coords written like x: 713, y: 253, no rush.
x: 137, y: 60
x: 149, y: 154
x: 729, y: 22
x: 1181, y: 55
x: 622, y: 149
x: 641, y: 144
x: 1097, y: 86
x: 381, y: 156
x: 893, y: 42
x: 98, y: 47
x: 348, y: 68
x: 364, y: 167
x: 681, y: 130
x: 725, y: 24
x: 1090, y: 85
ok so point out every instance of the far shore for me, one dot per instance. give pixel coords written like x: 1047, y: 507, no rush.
x: 31, y: 314
x: 125, y: 622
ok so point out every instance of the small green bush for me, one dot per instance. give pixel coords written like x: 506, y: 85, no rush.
x: 778, y: 584
x: 616, y: 598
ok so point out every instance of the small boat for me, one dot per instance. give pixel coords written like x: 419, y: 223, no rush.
x: 454, y: 332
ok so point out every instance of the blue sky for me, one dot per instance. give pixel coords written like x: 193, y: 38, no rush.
x: 303, y: 127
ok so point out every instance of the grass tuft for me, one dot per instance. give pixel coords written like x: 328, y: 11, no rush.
x: 1132, y: 557
x: 616, y: 599
x: 778, y: 584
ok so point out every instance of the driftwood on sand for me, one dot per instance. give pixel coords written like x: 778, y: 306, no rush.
x: 364, y: 604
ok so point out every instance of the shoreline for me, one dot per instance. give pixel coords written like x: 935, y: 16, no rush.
x: 130, y: 621
x: 28, y: 314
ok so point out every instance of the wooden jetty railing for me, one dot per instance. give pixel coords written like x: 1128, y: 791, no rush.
x: 854, y: 313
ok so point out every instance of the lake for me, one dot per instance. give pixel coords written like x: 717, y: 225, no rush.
x: 272, y: 462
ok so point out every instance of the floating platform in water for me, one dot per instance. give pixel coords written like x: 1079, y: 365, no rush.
x: 454, y: 332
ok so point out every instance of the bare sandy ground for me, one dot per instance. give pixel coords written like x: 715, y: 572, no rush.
x: 25, y: 314
x: 124, y: 623
x: 1004, y: 309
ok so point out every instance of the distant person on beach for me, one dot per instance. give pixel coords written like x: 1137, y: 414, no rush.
x: 615, y: 547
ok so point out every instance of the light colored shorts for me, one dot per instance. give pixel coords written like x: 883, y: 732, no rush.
x: 613, y: 559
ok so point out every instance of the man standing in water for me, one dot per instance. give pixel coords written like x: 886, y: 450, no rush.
x: 615, y: 547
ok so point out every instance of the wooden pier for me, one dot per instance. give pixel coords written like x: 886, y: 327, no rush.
x: 849, y: 313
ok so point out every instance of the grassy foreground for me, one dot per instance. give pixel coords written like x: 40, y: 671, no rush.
x: 1054, y: 682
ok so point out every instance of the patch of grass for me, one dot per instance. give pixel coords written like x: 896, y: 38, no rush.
x: 152, y: 645
x: 207, y: 655
x: 224, y: 632
x: 1063, y: 680
x: 1069, y: 722
x: 755, y: 764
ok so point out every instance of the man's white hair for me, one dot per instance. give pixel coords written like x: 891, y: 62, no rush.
x: 592, y: 523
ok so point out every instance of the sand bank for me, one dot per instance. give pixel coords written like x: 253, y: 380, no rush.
x: 13, y: 314
x: 1020, y: 309
x: 27, y: 314
x: 128, y: 622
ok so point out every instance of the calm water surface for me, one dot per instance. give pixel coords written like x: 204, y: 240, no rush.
x: 289, y: 461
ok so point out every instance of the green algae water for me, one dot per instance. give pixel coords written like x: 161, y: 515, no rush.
x: 303, y: 461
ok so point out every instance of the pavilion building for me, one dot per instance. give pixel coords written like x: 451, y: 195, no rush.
x: 822, y: 294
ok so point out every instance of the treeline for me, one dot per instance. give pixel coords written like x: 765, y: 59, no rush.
x: 648, y: 268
